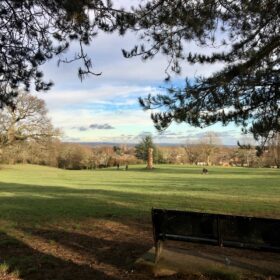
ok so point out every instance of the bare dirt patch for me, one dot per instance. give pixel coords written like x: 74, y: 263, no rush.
x: 92, y: 249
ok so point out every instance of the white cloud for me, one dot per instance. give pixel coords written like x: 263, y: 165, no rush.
x: 106, y: 95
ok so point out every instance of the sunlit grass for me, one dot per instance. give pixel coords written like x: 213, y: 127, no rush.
x: 4, y: 267
x: 43, y: 194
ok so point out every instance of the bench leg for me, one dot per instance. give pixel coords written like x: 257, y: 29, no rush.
x: 158, y: 250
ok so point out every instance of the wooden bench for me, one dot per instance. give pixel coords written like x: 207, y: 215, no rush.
x: 215, y: 229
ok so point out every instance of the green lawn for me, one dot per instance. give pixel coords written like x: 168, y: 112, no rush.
x: 57, y: 224
x: 35, y: 194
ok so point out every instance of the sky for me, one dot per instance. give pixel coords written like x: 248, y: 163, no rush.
x: 105, y: 108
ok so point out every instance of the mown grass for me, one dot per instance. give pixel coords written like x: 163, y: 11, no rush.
x: 42, y: 194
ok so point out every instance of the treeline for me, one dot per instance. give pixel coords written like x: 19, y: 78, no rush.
x: 76, y: 156
x: 209, y: 151
x: 68, y: 155
x: 28, y: 136
x: 223, y: 156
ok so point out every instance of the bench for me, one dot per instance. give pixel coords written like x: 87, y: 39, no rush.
x: 215, y: 229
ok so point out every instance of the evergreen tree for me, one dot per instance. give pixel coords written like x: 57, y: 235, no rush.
x: 141, y: 149
x: 244, y: 36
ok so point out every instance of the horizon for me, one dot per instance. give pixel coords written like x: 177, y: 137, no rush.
x: 96, y: 143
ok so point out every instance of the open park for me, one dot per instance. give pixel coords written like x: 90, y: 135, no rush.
x: 65, y: 224
x: 111, y: 168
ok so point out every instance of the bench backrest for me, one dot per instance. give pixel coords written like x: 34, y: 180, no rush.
x: 217, y: 229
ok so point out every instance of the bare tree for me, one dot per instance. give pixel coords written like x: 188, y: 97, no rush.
x: 27, y: 120
x: 274, y: 150
x: 193, y: 151
x: 26, y: 132
x: 210, y: 143
x: 247, y: 151
x: 203, y: 149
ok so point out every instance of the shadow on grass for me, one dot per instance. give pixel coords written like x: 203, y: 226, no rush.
x: 194, y: 169
x: 36, y: 204
x: 28, y: 203
x: 30, y: 264
x: 161, y: 169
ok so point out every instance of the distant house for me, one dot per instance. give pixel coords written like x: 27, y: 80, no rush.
x: 201, y: 163
x: 224, y: 163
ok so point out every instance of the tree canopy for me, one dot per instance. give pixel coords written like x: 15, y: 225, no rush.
x: 32, y: 32
x: 245, y: 37
x: 243, y: 34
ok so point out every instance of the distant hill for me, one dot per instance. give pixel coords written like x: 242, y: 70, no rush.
x: 96, y: 144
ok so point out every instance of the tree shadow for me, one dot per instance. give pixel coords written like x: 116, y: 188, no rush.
x: 37, y: 204
x: 195, y: 169
x: 159, y: 169
x: 30, y: 264
x: 120, y: 252
x: 32, y: 203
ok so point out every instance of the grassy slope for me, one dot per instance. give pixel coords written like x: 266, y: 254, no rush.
x: 38, y: 194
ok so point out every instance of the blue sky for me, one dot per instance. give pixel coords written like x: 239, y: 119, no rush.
x: 105, y: 108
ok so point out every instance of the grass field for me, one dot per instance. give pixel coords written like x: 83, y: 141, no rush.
x: 36, y: 194
x: 62, y: 224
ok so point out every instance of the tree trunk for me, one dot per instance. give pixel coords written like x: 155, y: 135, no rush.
x: 208, y: 160
x: 150, y: 159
